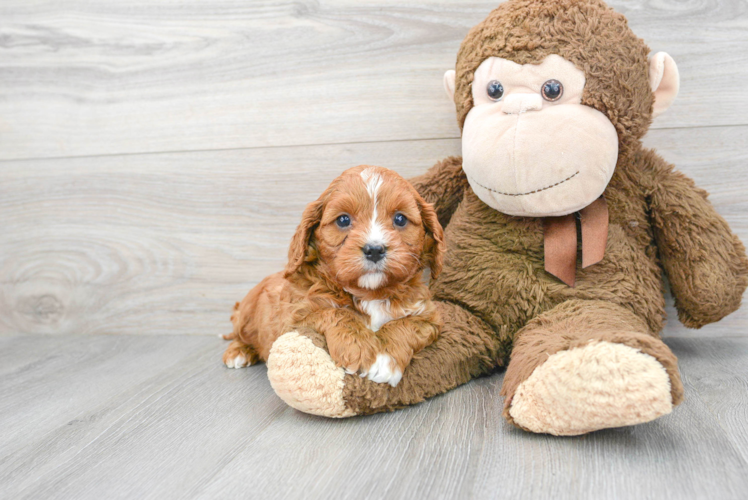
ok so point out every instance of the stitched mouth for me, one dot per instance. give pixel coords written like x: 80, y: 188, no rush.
x: 529, y: 192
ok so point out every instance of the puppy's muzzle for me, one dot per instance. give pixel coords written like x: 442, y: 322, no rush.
x: 374, y: 253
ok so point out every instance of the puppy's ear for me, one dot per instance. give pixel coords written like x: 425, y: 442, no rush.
x: 299, y: 249
x: 434, y: 247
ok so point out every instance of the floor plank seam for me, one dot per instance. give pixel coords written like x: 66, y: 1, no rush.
x: 303, y: 145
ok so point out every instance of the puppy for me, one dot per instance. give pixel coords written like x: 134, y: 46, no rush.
x: 355, y: 274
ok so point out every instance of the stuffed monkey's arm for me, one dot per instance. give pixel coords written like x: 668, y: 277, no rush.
x: 443, y: 185
x: 704, y: 261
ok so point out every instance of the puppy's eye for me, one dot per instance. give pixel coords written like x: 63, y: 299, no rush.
x: 495, y: 90
x: 400, y: 220
x: 343, y: 220
x: 552, y: 90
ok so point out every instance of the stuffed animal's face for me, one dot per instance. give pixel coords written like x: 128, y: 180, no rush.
x: 530, y: 147
x: 550, y: 94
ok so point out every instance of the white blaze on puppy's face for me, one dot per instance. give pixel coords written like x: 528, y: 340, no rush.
x: 376, y: 234
x: 371, y: 234
x: 530, y: 147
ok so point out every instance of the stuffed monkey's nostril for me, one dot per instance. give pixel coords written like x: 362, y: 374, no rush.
x: 374, y: 253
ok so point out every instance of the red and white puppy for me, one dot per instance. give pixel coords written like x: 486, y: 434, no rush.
x: 355, y: 274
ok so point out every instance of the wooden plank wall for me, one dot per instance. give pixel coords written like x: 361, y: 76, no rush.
x: 155, y: 156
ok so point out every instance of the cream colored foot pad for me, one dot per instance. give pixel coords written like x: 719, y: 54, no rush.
x: 598, y: 386
x: 305, y: 377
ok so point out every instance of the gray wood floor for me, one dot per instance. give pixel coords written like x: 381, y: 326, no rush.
x: 159, y: 417
x: 155, y: 157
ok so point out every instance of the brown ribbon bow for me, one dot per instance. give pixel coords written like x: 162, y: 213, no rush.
x: 560, y: 240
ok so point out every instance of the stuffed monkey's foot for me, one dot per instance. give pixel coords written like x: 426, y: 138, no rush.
x: 585, y: 366
x: 304, y: 376
x: 598, y: 386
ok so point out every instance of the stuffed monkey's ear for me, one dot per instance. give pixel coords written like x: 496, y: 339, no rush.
x: 297, y: 252
x: 449, y: 84
x: 664, y: 81
x: 434, y: 247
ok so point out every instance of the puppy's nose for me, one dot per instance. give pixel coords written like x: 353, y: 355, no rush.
x: 374, y: 253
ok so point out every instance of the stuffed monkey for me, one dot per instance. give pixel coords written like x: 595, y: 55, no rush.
x: 559, y: 226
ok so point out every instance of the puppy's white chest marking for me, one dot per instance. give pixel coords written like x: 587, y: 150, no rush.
x: 380, y: 312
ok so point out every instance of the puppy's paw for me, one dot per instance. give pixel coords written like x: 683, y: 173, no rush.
x: 239, y: 361
x: 239, y: 355
x: 353, y: 354
x: 384, y: 371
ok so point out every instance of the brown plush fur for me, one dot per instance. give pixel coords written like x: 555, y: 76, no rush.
x: 496, y: 299
x: 574, y: 324
x: 319, y: 288
x: 588, y: 33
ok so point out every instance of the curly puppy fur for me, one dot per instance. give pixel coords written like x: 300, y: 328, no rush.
x: 373, y: 330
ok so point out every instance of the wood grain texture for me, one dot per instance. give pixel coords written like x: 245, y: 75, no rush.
x: 90, y: 78
x: 160, y: 417
x: 155, y: 158
x: 718, y: 372
x: 160, y: 243
x: 166, y: 243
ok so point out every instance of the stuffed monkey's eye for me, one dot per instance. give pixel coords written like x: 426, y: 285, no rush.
x: 552, y: 90
x: 400, y: 220
x: 495, y: 90
x: 343, y: 221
